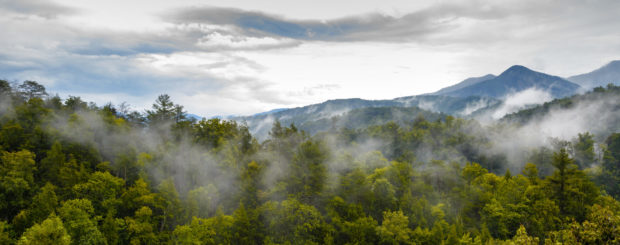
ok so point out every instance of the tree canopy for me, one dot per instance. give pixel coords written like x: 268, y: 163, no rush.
x: 72, y: 172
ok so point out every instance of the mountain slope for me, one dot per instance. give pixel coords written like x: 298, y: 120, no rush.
x: 515, y: 79
x: 318, y: 117
x: 471, y: 97
x: 364, y: 117
x: 465, y: 83
x: 597, y: 112
x: 609, y: 73
x: 261, y: 123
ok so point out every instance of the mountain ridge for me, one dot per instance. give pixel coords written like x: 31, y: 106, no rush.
x: 515, y: 79
x: 465, y: 83
x: 469, y: 98
x: 608, y: 73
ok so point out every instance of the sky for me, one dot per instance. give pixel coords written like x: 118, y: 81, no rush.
x: 240, y: 57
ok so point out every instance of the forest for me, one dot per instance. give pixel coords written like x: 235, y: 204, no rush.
x: 73, y: 172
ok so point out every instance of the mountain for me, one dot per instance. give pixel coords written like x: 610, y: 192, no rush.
x: 364, y: 117
x: 458, y: 106
x: 469, y: 98
x: 359, y: 113
x: 515, y: 79
x: 261, y: 123
x: 609, y: 73
x: 270, y: 111
x: 465, y: 83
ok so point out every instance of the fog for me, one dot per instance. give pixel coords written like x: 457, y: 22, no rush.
x: 517, y: 101
x: 214, y: 173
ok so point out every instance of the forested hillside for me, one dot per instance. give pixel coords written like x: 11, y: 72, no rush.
x: 597, y: 110
x: 606, y: 96
x: 73, y: 172
x: 355, y: 113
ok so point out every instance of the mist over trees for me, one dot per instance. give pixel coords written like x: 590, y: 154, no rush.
x: 73, y: 172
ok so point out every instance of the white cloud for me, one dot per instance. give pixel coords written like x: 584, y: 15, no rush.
x: 391, y: 49
x: 216, y: 40
x: 518, y: 101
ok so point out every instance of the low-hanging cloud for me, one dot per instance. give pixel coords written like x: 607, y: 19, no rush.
x: 599, y: 116
x: 520, y: 100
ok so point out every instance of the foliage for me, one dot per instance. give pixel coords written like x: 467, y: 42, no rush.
x: 75, y: 173
x: 50, y: 232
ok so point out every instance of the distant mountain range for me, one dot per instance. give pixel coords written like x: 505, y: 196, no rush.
x: 471, y: 97
x: 609, y: 73
x: 313, y: 118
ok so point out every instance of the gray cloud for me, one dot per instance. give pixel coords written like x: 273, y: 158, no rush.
x: 367, y: 27
x: 42, y: 8
x: 442, y: 23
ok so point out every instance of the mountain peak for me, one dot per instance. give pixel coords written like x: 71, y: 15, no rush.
x: 515, y: 79
x: 516, y: 68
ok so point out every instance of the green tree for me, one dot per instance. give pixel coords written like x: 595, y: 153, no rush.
x: 49, y: 167
x: 570, y: 187
x: 394, y: 229
x: 245, y: 227
x: 74, y: 104
x: 185, y: 235
x: 171, y: 204
x: 384, y: 197
x: 140, y: 227
x: 294, y: 222
x: 221, y: 224
x: 50, y: 232
x: 214, y: 132
x: 31, y: 89
x: 43, y: 204
x: 71, y: 174
x: 201, y: 202
x: 251, y: 185
x: 5, y: 236
x: 137, y: 196
x: 354, y: 187
x: 531, y: 172
x: 199, y: 231
x: 361, y: 231
x: 16, y: 181
x: 77, y: 215
x: 103, y: 189
x: 179, y: 113
x: 521, y: 238
x: 112, y: 228
x: 13, y: 137
x: 609, y: 178
x: 164, y: 110
x: 584, y: 150
x: 308, y: 172
x: 5, y: 88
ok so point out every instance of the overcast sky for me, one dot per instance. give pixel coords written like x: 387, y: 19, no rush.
x: 242, y: 57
